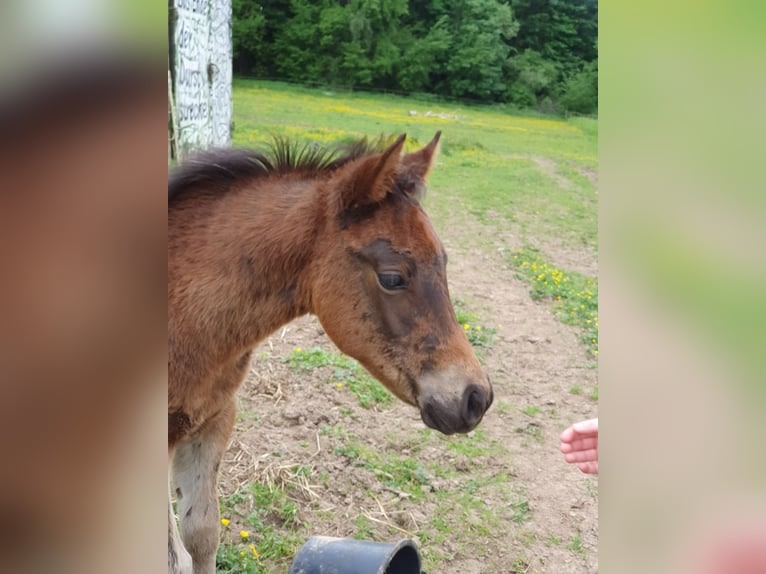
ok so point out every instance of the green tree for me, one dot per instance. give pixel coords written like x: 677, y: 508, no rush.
x: 531, y: 78
x: 480, y: 30
x: 581, y: 90
x: 539, y: 53
x: 247, y: 30
x: 423, y: 58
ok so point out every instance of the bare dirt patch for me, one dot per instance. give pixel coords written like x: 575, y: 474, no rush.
x: 501, y: 500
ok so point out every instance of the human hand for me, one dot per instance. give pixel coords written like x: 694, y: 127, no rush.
x: 579, y: 443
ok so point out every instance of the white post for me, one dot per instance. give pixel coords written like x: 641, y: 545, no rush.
x: 201, y: 54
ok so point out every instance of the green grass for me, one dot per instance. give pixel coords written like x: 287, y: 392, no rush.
x: 343, y: 373
x: 519, y: 565
x: 479, y: 335
x: 272, y: 518
x: 270, y: 535
x: 487, y: 163
x: 574, y: 296
x: 575, y: 545
x: 530, y: 410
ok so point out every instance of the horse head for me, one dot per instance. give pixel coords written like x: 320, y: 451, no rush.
x: 380, y: 288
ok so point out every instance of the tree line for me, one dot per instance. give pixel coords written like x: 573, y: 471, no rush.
x: 530, y: 53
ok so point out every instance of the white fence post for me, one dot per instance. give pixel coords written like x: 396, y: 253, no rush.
x: 201, y: 69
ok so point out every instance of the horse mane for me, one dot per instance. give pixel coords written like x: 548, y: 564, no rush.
x: 219, y: 168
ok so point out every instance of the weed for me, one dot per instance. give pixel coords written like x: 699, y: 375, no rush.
x: 594, y: 393
x: 308, y: 360
x: 575, y: 545
x: 363, y: 529
x: 351, y: 450
x: 273, y: 518
x: 344, y: 372
x: 532, y: 429
x: 527, y: 537
x: 530, y: 410
x: 245, y: 415
x: 575, y: 296
x: 519, y: 565
x: 575, y: 390
x: 520, y: 511
x: 478, y: 335
x: 503, y: 407
x: 473, y: 445
x: 553, y: 540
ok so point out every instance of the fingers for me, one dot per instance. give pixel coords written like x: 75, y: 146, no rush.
x: 582, y: 456
x: 580, y: 444
x: 586, y: 427
x: 579, y: 430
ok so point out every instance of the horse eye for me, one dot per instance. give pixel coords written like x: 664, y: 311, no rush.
x: 391, y: 281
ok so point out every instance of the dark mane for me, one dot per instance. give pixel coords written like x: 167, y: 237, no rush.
x: 220, y: 168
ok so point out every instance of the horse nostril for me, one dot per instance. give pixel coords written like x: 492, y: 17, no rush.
x: 474, y: 405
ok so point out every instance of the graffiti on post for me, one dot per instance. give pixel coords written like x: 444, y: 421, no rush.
x: 202, y: 73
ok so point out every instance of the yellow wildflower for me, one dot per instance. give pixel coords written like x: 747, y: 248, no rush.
x: 298, y: 350
x: 339, y: 385
x: 225, y: 521
x: 241, y: 552
x: 244, y: 533
x: 478, y: 328
x: 466, y: 326
x: 255, y: 552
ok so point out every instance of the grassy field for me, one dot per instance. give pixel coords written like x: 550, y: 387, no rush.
x: 489, y: 161
x: 516, y: 192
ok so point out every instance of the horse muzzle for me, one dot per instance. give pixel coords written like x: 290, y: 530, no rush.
x: 453, y: 405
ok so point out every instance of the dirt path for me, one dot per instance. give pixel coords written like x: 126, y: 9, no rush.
x: 513, y: 506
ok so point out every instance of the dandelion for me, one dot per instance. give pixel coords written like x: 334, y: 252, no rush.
x: 478, y: 328
x: 466, y: 326
x: 255, y: 552
x: 339, y: 385
x: 242, y: 553
x: 244, y: 534
x: 225, y: 521
x: 595, y: 352
x: 298, y: 350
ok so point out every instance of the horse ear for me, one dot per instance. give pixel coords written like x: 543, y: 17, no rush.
x: 372, y: 177
x: 419, y: 163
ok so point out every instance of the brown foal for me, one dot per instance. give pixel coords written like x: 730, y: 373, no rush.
x: 255, y: 241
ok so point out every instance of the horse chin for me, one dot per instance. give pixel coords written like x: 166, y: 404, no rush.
x: 437, y: 421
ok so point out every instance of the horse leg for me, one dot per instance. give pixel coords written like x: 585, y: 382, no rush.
x: 179, y: 560
x: 195, y: 474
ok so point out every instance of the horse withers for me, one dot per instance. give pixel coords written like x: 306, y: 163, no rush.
x: 256, y: 240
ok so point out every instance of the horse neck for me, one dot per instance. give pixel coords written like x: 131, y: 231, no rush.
x: 272, y: 245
